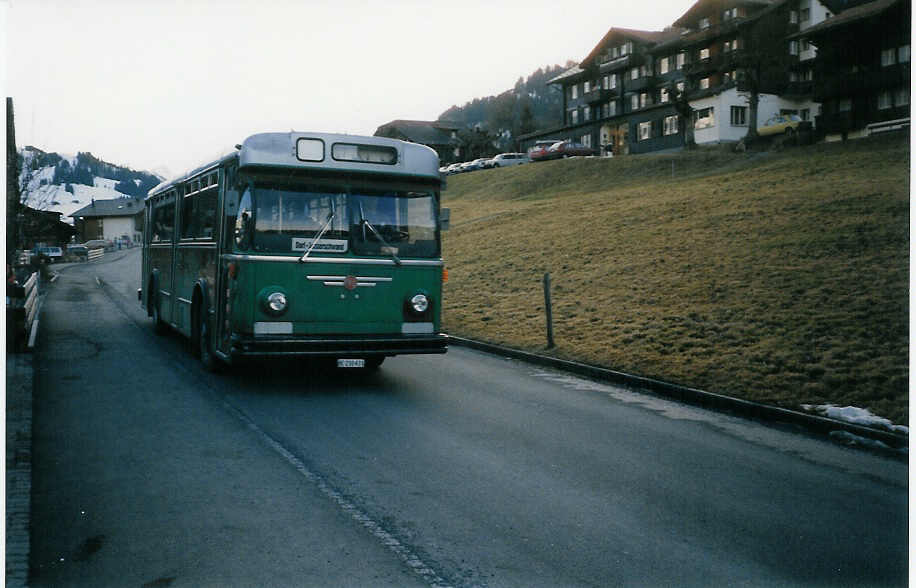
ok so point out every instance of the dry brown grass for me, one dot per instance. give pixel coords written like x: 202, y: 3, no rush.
x: 776, y: 277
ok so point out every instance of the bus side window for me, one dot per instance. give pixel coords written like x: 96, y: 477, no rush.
x: 206, y: 213
x: 188, y: 219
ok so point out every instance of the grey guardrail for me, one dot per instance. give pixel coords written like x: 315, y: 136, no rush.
x: 765, y: 412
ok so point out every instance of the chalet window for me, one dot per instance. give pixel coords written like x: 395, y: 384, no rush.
x: 704, y: 53
x: 644, y: 99
x: 903, y: 54
x: 844, y: 105
x: 586, y: 87
x: 704, y: 84
x: 663, y: 65
x: 574, y: 116
x: 704, y: 118
x: 612, y: 81
x: 634, y: 102
x: 574, y: 91
x: 680, y: 87
x: 730, y: 14
x: 612, y: 108
x: 902, y: 97
x: 805, y: 14
x: 645, y: 130
x: 805, y: 114
x: 681, y: 60
x: 793, y: 16
x: 588, y: 113
x: 808, y: 75
x: 739, y: 116
x: 586, y: 140
x: 671, y: 125
x: 888, y: 57
x: 884, y: 100
x: 793, y: 47
x: 805, y: 44
x: 704, y: 23
x: 634, y: 73
x: 663, y: 95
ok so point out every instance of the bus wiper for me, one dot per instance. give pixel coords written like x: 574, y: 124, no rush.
x: 320, y: 234
x: 391, y: 249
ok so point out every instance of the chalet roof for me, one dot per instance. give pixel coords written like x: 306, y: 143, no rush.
x: 568, y: 74
x: 708, y: 7
x: 849, y: 16
x: 110, y: 208
x: 651, y: 37
x: 421, y: 131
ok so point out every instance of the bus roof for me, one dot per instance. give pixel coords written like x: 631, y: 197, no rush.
x: 328, y: 152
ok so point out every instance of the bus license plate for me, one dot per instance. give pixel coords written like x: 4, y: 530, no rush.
x: 351, y: 363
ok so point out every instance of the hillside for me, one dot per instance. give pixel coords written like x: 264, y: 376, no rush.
x: 780, y: 277
x: 529, y: 105
x: 65, y: 184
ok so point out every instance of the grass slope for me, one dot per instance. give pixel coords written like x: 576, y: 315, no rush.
x: 779, y: 277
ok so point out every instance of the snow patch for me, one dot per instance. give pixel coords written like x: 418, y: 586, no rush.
x: 856, y: 416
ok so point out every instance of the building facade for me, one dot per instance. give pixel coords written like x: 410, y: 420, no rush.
x: 110, y: 219
x: 862, y: 69
x: 726, y: 65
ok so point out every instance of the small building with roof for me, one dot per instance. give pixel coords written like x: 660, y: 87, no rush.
x: 110, y: 219
x: 439, y: 135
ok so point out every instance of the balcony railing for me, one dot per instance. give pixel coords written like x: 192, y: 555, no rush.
x: 599, y: 95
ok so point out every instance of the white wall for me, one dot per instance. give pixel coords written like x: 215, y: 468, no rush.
x: 115, y: 226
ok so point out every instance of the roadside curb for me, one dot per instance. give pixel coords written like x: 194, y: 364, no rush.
x: 763, y: 412
x: 19, y: 388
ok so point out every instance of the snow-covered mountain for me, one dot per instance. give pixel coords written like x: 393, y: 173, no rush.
x: 67, y: 183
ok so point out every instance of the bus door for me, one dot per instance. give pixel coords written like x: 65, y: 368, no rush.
x: 161, y: 259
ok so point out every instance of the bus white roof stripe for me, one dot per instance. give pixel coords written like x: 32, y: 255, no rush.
x: 279, y: 149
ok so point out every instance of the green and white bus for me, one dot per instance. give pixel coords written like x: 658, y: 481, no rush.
x: 300, y: 244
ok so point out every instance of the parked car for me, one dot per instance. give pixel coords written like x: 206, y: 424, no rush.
x: 481, y: 163
x: 782, y: 123
x: 538, y: 152
x: 98, y: 244
x: 453, y: 168
x: 509, y: 159
x: 52, y: 254
x: 562, y: 149
x: 80, y: 252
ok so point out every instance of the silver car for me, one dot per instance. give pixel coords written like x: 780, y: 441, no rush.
x: 508, y: 159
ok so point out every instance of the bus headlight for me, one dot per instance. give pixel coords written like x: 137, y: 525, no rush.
x: 276, y: 303
x: 419, y: 303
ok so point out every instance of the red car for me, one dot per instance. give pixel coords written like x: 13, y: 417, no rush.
x: 540, y: 150
x: 562, y: 149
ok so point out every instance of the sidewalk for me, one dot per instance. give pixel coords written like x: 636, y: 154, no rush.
x: 19, y: 380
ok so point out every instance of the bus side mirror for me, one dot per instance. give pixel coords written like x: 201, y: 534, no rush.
x: 445, y: 216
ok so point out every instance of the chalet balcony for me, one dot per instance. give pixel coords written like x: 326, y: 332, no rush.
x: 599, y: 95
x: 798, y: 89
x: 625, y: 62
x: 853, y: 83
x: 643, y: 83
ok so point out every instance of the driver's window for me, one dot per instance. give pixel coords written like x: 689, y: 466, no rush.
x: 244, y: 222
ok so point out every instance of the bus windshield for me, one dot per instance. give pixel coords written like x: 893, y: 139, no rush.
x: 290, y: 219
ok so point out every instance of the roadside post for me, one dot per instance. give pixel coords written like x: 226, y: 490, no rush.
x: 549, y: 309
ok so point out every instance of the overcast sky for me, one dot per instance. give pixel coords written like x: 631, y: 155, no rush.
x: 155, y: 84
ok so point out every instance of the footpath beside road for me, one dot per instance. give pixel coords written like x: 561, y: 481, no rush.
x: 19, y: 386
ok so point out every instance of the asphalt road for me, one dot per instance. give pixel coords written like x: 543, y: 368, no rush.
x: 456, y: 470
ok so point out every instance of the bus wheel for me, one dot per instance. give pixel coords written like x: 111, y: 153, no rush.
x: 205, y: 347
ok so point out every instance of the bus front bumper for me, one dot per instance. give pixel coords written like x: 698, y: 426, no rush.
x: 247, y: 346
